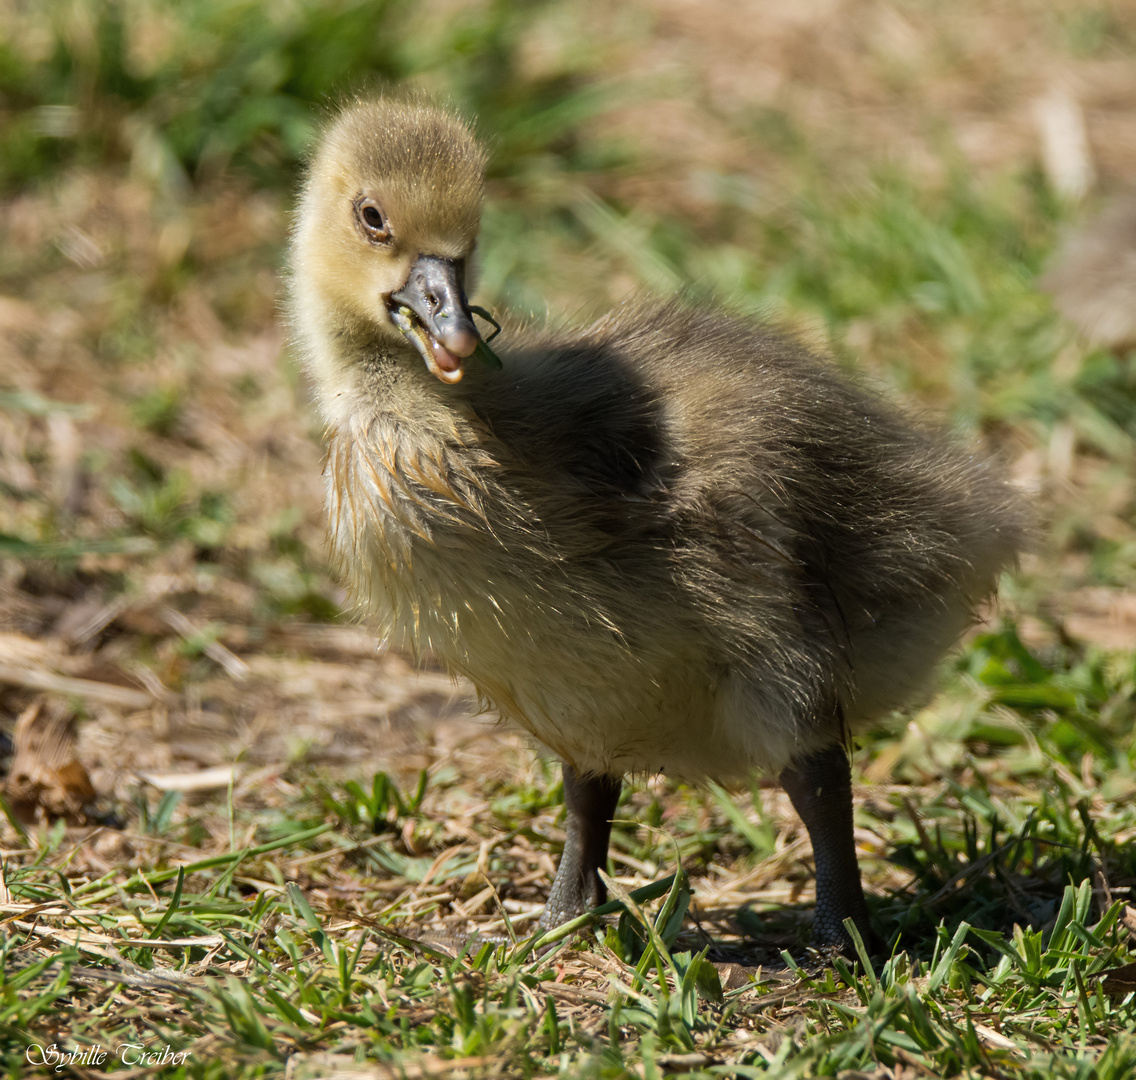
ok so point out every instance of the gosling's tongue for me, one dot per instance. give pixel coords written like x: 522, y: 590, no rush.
x: 431, y: 309
x: 445, y: 365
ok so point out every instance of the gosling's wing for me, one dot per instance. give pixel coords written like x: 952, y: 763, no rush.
x: 583, y: 437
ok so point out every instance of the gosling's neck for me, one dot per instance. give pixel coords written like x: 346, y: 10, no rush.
x: 358, y: 372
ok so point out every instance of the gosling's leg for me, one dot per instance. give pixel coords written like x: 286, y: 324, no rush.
x: 820, y: 788
x: 591, y: 802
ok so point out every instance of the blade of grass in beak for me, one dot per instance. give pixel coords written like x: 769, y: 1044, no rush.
x: 487, y: 356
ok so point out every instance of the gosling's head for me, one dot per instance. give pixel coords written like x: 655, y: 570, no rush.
x: 386, y: 223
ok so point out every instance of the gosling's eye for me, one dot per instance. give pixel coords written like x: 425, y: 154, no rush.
x: 372, y: 221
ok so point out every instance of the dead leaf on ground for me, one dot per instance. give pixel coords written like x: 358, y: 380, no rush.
x: 1119, y: 981
x: 47, y: 781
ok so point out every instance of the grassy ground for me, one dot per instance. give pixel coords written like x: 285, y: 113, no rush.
x: 250, y: 838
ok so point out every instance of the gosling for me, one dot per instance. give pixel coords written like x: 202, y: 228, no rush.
x: 671, y: 542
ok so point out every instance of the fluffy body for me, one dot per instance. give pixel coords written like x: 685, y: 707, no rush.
x: 673, y: 541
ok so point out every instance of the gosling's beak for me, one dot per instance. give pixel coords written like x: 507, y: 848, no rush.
x: 431, y: 310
